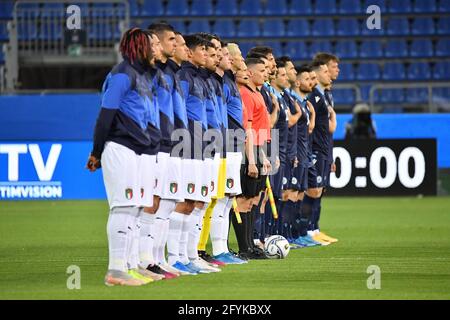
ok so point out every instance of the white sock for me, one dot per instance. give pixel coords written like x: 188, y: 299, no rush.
x: 160, y: 229
x: 310, y: 233
x: 226, y: 224
x: 173, y: 240
x: 194, y: 232
x: 187, y: 225
x: 146, y: 239
x: 134, y: 225
x: 217, y: 222
x: 118, y: 236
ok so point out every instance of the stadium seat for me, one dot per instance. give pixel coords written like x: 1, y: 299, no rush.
x: 179, y: 26
x: 248, y: 28
x: 423, y: 26
x: 177, y: 8
x: 26, y: 33
x: 371, y: 49
x: 245, y: 47
x: 296, y: 50
x: 276, y: 46
x: 2, y: 57
x: 344, y: 96
x: 322, y: 27
x: 397, y: 26
x: 379, y: 3
x: 441, y: 94
x: 30, y: 9
x: 226, y: 8
x: 400, y: 6
x: 135, y: 10
x: 443, y: 26
x: 365, y: 90
x: 443, y: 48
x: 276, y: 8
x: 201, y: 8
x: 419, y: 71
x: 396, y: 48
x: 444, y: 5
x: 425, y: 6
x: 421, y: 48
x: 224, y: 28
x: 199, y: 26
x: 151, y: 8
x: 346, y: 49
x: 325, y: 7
x: 50, y: 32
x: 53, y: 10
x: 441, y: 70
x: 390, y: 95
x: 394, y: 71
x: 298, y: 28
x: 273, y: 28
x: 368, y: 71
x: 6, y: 9
x: 347, y: 72
x: 250, y: 8
x: 348, y: 27
x: 319, y: 46
x: 419, y: 95
x: 300, y: 7
x: 3, y: 32
x: 351, y: 6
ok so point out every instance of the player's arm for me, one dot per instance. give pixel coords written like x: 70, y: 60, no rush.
x: 293, y: 118
x: 312, y: 117
x: 275, y: 110
x: 332, y: 120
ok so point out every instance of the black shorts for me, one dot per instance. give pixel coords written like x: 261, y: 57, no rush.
x: 317, y: 175
x: 251, y: 187
x: 299, y: 180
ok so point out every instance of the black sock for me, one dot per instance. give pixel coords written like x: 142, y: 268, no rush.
x: 268, y: 219
x: 241, y: 231
x: 306, y: 215
x: 317, y: 206
x: 250, y: 228
x: 289, y: 212
x: 295, y: 222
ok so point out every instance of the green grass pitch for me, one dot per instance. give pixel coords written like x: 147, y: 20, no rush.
x: 408, y: 238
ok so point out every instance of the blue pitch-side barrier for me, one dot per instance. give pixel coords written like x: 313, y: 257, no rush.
x: 45, y: 141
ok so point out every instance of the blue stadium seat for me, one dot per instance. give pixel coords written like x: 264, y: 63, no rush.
x: 371, y: 49
x: 423, y: 26
x: 344, y: 96
x: 444, y: 5
x: 135, y: 10
x: 348, y: 27
x: 226, y: 8
x: 442, y: 70
x: 201, y: 8
x: 26, y: 33
x: 325, y: 7
x: 365, y: 90
x: 53, y: 10
x: 351, y: 6
x: 441, y: 94
x: 400, y: 6
x: 397, y: 26
x: 419, y: 95
x: 298, y: 7
x: 421, y: 48
x: 296, y: 50
x: 425, y: 6
x: 298, y: 28
x: 245, y: 47
x: 6, y: 9
x: 379, y: 3
x: 3, y: 32
x: 319, y: 46
x: 443, y: 48
x: 394, y: 71
x: 29, y: 9
x: 250, y: 8
x: 177, y: 8
x: 419, y: 71
x: 368, y: 71
x: 276, y: 8
x: 248, y: 28
x: 224, y: 28
x: 390, y: 95
x: 443, y: 26
x: 396, y: 48
x: 276, y: 47
x: 152, y: 8
x: 199, y: 26
x: 179, y: 26
x: 2, y: 57
x: 51, y: 32
x: 322, y: 27
x: 346, y: 49
x: 273, y: 28
x: 347, y: 72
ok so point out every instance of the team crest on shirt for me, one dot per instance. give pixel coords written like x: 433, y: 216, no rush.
x: 129, y: 193
x: 317, y: 99
x: 294, y: 180
x: 285, y: 181
x: 319, y: 179
x: 191, y: 188
x: 204, y: 191
x: 173, y: 187
x: 230, y: 183
x: 212, y: 186
x: 142, y: 192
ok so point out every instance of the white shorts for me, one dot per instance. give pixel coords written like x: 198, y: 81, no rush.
x: 128, y: 177
x: 233, y: 180
x: 168, y: 177
x: 196, y: 180
x: 214, y: 167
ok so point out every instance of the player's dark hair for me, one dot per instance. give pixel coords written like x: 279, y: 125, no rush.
x: 223, y: 44
x: 325, y: 57
x: 280, y: 63
x: 303, y: 68
x: 135, y: 46
x: 160, y: 27
x: 285, y: 59
x: 255, y: 55
x: 178, y: 33
x: 252, y: 61
x: 193, y: 41
x: 316, y: 64
x: 262, y: 50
